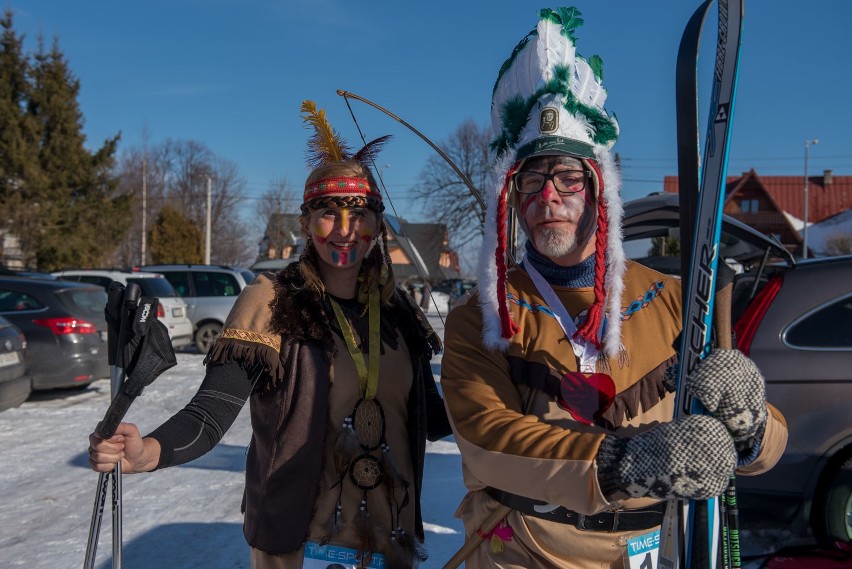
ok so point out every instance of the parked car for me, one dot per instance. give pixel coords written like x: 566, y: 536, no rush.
x: 209, y: 292
x: 4, y: 272
x: 798, y: 329
x: 171, y: 311
x: 794, y: 319
x: 64, y: 326
x: 454, y: 289
x: 15, y: 381
x: 273, y: 265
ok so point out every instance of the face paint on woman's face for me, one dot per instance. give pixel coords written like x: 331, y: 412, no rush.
x: 343, y: 236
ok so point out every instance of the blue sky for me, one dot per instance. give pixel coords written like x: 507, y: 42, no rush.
x: 232, y: 75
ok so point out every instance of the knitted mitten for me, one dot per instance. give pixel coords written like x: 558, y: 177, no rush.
x: 691, y: 457
x: 731, y: 388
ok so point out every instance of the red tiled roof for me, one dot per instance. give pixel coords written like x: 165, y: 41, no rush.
x: 825, y: 199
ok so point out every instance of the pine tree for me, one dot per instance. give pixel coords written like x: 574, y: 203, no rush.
x: 174, y: 238
x: 79, y: 216
x: 18, y: 139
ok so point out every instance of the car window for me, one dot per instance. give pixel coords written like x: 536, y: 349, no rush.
x: 86, y: 302
x: 160, y: 288
x: 827, y: 327
x: 179, y: 281
x: 15, y: 301
x: 215, y: 284
x: 95, y: 279
x: 247, y: 275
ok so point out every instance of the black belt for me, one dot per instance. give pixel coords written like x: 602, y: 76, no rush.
x: 619, y: 520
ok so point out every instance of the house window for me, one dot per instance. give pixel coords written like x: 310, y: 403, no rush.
x: 750, y: 206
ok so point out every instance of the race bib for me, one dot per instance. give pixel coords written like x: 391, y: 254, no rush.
x: 336, y: 557
x: 642, y: 551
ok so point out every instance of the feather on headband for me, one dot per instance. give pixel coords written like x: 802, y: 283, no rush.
x: 326, y: 145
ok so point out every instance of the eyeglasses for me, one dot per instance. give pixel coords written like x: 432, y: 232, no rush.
x: 566, y: 182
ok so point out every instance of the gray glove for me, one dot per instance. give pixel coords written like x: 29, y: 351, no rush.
x: 691, y: 457
x: 731, y: 388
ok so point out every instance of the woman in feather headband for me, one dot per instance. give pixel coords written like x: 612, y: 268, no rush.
x: 335, y: 361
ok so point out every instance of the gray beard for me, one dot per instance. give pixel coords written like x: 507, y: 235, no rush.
x: 552, y: 242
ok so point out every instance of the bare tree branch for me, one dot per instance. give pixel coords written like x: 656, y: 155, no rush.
x: 177, y: 174
x: 447, y: 198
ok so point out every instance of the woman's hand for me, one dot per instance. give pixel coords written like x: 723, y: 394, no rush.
x: 127, y: 445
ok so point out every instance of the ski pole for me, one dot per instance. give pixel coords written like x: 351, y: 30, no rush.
x: 131, y: 298
x: 120, y: 303
x: 724, y: 340
x: 115, y: 302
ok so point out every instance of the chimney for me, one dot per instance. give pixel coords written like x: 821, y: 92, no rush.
x: 827, y: 178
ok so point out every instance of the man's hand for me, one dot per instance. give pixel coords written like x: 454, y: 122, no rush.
x: 731, y: 388
x: 691, y: 458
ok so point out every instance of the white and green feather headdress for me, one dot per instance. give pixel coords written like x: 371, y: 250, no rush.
x: 548, y: 100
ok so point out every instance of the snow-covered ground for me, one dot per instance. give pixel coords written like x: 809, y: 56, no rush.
x: 182, y: 517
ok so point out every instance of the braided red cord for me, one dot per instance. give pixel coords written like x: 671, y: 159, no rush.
x: 508, y: 328
x: 588, y: 330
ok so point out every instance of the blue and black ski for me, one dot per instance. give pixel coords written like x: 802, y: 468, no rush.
x: 690, y: 536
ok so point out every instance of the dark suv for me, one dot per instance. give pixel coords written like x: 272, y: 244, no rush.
x: 794, y: 319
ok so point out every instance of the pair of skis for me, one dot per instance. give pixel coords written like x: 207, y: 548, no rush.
x: 697, y: 535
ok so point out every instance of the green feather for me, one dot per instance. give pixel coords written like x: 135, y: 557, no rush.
x: 568, y: 18
x: 571, y: 20
x: 514, y: 115
x: 596, y: 63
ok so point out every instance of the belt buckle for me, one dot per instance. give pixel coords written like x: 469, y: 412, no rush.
x: 581, y: 523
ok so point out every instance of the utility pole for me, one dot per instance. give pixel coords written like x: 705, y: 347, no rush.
x: 144, y: 207
x: 207, y: 224
x: 805, y: 224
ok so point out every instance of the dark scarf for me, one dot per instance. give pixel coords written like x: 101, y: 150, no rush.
x: 577, y: 276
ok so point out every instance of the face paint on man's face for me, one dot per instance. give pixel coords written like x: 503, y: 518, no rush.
x: 555, y: 223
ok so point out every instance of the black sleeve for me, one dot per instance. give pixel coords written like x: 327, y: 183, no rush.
x: 437, y: 422
x: 196, y: 428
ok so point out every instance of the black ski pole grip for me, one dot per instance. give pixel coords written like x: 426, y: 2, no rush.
x: 112, y: 313
x: 131, y: 298
x: 118, y: 408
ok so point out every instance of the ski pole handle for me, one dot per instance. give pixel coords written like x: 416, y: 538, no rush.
x: 722, y: 306
x: 131, y: 298
x: 112, y: 312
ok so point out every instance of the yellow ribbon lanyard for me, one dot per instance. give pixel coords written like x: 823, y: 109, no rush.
x: 369, y: 378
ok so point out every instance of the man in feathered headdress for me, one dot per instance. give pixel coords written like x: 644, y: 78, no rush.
x: 554, y: 373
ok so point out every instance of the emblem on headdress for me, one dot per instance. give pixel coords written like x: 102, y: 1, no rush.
x: 548, y: 120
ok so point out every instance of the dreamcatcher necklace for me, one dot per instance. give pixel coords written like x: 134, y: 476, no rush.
x: 362, y: 434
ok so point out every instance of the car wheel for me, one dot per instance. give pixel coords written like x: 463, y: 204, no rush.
x: 834, y: 523
x: 206, y: 335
